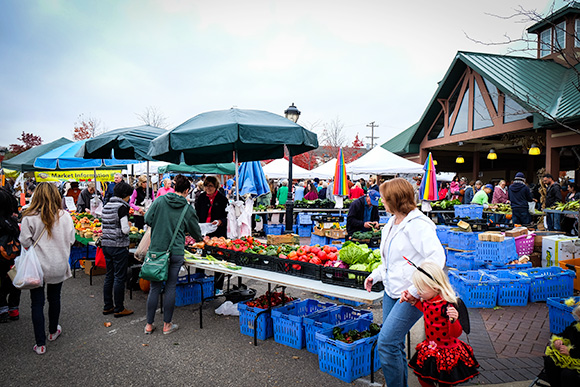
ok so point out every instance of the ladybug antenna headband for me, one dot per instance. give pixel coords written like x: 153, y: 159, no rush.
x: 421, y: 270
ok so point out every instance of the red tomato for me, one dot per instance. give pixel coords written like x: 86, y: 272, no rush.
x: 306, y: 249
x: 300, y: 251
x: 322, y: 255
x: 334, y: 249
x: 315, y: 249
x: 303, y: 258
x: 296, y: 267
x: 327, y: 249
x: 316, y: 261
x: 332, y: 256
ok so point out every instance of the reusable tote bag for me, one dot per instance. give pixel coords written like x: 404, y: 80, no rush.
x: 29, y: 273
x: 156, y: 265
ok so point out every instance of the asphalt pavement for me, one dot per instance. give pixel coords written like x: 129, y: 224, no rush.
x: 90, y: 354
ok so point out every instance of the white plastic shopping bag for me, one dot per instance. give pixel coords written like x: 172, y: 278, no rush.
x: 29, y: 273
x: 208, y: 228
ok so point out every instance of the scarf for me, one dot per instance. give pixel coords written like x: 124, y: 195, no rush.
x: 211, y: 199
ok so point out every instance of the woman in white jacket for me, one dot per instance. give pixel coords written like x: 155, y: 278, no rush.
x: 408, y: 234
x: 45, y: 223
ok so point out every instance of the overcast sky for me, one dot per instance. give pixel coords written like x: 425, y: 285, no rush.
x: 358, y: 61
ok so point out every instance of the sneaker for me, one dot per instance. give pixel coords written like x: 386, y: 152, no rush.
x: 54, y: 336
x: 108, y: 311
x: 173, y: 328
x: 123, y: 313
x: 14, y: 314
x: 39, y: 349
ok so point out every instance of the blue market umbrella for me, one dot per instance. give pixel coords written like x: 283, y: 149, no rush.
x: 64, y: 157
x: 252, y: 179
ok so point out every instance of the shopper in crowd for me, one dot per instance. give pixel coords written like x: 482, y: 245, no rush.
x: 282, y: 196
x: 115, y: 244
x: 84, y: 200
x: 166, y: 187
x: 9, y: 233
x: 109, y: 192
x: 468, y: 193
x: 74, y: 191
x: 408, y: 233
x: 500, y: 193
x: 520, y: 196
x: 373, y: 184
x: 322, y: 192
x: 454, y: 188
x: 444, y: 191
x: 316, y: 183
x: 312, y: 192
x: 299, y: 191
x: 356, y: 191
x: 363, y: 213
x: 553, y: 196
x: 45, y: 224
x: 138, y: 199
x: 569, y: 222
x: 198, y: 190
x: 330, y: 190
x: 481, y: 196
x: 163, y: 216
x: 562, y: 360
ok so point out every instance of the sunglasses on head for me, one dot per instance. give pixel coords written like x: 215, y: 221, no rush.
x: 421, y: 270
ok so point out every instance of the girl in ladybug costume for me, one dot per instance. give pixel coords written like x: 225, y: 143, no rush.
x: 441, y: 358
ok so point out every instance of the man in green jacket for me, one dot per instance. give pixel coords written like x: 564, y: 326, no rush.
x: 282, y: 197
x: 481, y: 197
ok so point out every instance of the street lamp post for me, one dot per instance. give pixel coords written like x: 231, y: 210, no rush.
x: 292, y: 113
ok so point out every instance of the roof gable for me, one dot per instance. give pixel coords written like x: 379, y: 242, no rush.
x: 401, y: 143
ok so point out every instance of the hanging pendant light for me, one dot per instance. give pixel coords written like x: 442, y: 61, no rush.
x: 534, y: 150
x: 459, y: 160
x: 434, y: 162
x: 492, y: 155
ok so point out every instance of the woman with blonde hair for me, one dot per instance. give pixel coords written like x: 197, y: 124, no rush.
x: 47, y: 225
x: 166, y: 187
x: 441, y: 358
x: 408, y: 233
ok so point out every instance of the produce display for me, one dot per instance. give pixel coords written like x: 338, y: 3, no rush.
x: 359, y: 256
x: 262, y: 207
x: 318, y: 203
x: 86, y: 225
x: 445, y: 204
x: 365, y: 235
x: 500, y: 208
x: 573, y: 205
x: 269, y: 300
x: 353, y: 335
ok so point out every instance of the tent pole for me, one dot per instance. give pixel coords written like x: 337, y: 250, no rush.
x: 237, y: 180
x: 148, y: 196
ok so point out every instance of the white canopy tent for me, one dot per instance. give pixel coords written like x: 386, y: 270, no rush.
x: 278, y: 169
x: 324, y: 171
x: 141, y: 168
x: 380, y: 161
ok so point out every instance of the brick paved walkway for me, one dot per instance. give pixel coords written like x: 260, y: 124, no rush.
x: 509, y: 342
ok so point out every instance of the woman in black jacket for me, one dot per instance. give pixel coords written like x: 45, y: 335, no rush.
x: 211, y: 207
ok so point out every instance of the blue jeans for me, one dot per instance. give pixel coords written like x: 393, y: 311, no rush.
x: 398, y: 319
x: 175, y: 263
x: 37, y: 308
x: 520, y: 215
x: 553, y: 221
x: 117, y: 259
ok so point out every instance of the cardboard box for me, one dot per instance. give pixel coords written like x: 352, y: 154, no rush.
x: 515, y: 232
x: 96, y: 270
x: 335, y: 234
x: 540, y: 235
x: 559, y: 248
x: 536, y: 259
x: 491, y: 236
x: 284, y: 239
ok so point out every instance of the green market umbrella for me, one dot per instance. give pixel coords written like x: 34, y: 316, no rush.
x: 214, y: 137
x: 221, y: 169
x: 25, y: 161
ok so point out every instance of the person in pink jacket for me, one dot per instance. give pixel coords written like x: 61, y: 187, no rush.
x: 166, y: 188
x: 454, y: 188
x: 500, y: 193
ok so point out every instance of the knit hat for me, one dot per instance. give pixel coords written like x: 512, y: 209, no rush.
x: 520, y: 175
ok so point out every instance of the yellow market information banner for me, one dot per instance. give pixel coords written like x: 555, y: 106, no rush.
x: 103, y: 176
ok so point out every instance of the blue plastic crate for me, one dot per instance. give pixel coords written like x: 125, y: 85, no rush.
x: 514, y: 288
x: 288, y: 326
x: 304, y: 231
x: 469, y: 240
x: 190, y: 293
x: 518, y: 266
x: 443, y: 234
x: 496, y: 253
x: 328, y: 318
x: 476, y: 288
x: 347, y: 362
x: 338, y: 242
x: 264, y: 324
x: 560, y: 314
x: 273, y: 229
x: 475, y: 211
x: 461, y: 210
x: 550, y: 282
x: 318, y: 240
x: 454, y: 239
x: 462, y: 260
x: 350, y: 302
x: 78, y: 253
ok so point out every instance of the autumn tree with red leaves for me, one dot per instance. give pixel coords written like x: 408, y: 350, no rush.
x: 28, y: 139
x: 357, y: 143
x: 86, y: 128
x: 306, y: 160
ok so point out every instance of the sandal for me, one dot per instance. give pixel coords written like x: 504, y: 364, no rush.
x: 153, y: 327
x: 173, y: 328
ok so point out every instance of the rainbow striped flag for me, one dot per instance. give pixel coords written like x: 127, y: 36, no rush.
x: 340, y: 187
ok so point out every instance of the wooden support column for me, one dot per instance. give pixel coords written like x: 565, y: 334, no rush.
x: 423, y: 153
x: 552, y: 156
x: 475, y: 165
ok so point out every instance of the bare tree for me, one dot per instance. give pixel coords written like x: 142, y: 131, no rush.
x: 333, y: 134
x: 87, y: 127
x: 153, y: 117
